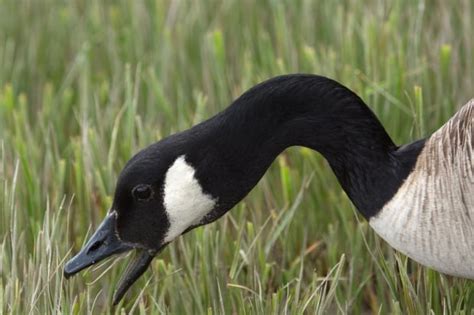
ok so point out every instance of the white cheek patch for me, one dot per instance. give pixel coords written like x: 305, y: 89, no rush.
x: 184, y: 200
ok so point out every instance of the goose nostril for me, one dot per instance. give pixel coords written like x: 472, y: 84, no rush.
x: 94, y: 247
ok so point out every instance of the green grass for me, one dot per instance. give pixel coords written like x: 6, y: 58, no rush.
x: 84, y: 85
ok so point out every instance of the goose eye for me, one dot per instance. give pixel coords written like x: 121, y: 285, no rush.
x: 142, y: 192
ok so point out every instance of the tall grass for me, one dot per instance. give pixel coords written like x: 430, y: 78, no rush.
x: 85, y: 84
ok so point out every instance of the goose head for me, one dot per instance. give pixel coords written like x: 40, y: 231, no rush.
x: 157, y: 198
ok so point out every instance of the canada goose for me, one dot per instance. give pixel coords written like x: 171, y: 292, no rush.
x: 418, y: 197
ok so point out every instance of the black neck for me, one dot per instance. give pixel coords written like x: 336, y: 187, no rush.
x: 240, y: 143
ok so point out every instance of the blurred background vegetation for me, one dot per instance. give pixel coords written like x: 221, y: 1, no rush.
x: 85, y: 84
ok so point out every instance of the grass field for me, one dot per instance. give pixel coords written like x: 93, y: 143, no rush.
x: 84, y: 85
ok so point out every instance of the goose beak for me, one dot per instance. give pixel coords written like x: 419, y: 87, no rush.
x: 105, y: 243
x: 102, y: 244
x: 134, y: 271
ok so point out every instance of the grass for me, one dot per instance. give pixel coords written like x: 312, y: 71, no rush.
x: 84, y: 85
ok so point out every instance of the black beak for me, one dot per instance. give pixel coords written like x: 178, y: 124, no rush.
x: 134, y: 271
x: 102, y: 244
x: 105, y: 243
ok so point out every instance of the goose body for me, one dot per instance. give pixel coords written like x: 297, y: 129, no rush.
x: 418, y: 197
x: 431, y: 216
